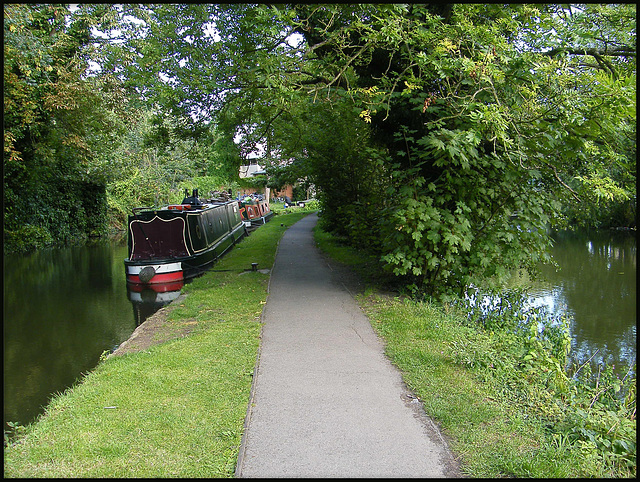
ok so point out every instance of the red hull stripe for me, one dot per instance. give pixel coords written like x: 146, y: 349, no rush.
x: 158, y: 278
x: 157, y: 287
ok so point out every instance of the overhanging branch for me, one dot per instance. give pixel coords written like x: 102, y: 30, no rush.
x: 601, y: 55
x: 618, y: 52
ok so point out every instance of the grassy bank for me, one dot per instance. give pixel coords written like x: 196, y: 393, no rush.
x: 501, y: 396
x: 506, y: 414
x: 176, y: 409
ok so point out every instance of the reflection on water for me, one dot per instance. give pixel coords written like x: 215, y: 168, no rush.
x: 146, y: 301
x: 62, y: 309
x: 596, y: 285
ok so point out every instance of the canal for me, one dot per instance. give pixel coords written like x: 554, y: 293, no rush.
x: 596, y: 285
x: 64, y: 307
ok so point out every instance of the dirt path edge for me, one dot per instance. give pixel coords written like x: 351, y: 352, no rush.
x: 155, y: 330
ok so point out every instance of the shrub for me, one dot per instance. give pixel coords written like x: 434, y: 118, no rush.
x: 27, y: 238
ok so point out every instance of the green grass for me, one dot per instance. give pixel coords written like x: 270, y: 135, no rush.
x: 491, y: 436
x: 278, y: 207
x: 176, y: 409
x: 364, y: 264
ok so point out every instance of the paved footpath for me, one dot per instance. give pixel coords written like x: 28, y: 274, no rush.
x: 326, y: 401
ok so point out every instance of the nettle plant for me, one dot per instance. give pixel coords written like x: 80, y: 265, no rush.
x: 460, y: 216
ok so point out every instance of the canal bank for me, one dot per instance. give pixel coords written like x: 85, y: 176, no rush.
x: 155, y: 330
x: 64, y: 308
x: 175, y: 408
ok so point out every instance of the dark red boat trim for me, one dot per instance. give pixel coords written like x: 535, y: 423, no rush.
x: 157, y: 287
x: 158, y: 278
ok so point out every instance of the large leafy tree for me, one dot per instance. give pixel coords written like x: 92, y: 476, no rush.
x: 481, y: 124
x: 595, y: 45
x: 56, y: 123
x: 153, y: 164
x: 82, y: 144
x: 489, y: 122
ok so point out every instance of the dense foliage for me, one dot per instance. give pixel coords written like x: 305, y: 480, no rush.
x: 152, y: 165
x: 446, y: 138
x: 82, y: 149
x: 54, y: 124
x: 488, y: 126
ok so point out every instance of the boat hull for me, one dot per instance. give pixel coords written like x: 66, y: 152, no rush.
x: 255, y: 212
x: 170, y: 245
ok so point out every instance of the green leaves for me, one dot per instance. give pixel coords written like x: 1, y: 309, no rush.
x: 58, y: 122
x: 432, y: 124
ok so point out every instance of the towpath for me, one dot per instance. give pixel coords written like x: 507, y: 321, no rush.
x: 326, y: 401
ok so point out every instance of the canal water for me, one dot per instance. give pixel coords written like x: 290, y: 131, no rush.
x: 64, y: 307
x: 596, y: 285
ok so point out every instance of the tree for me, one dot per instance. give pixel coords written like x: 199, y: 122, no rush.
x: 56, y: 123
x: 487, y: 125
x: 595, y: 45
x: 481, y: 121
x: 152, y: 164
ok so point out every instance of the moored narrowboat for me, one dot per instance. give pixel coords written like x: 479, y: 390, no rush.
x: 255, y: 211
x: 177, y: 242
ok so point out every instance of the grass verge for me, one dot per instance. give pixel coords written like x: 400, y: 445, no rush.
x: 491, y: 436
x: 176, y: 409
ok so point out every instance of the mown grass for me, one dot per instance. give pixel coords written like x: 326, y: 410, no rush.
x: 176, y: 409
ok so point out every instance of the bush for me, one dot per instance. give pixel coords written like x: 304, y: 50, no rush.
x: 313, y: 205
x: 205, y: 185
x: 27, y: 238
x: 55, y: 212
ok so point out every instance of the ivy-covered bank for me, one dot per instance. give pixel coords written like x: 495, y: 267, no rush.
x: 496, y: 381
